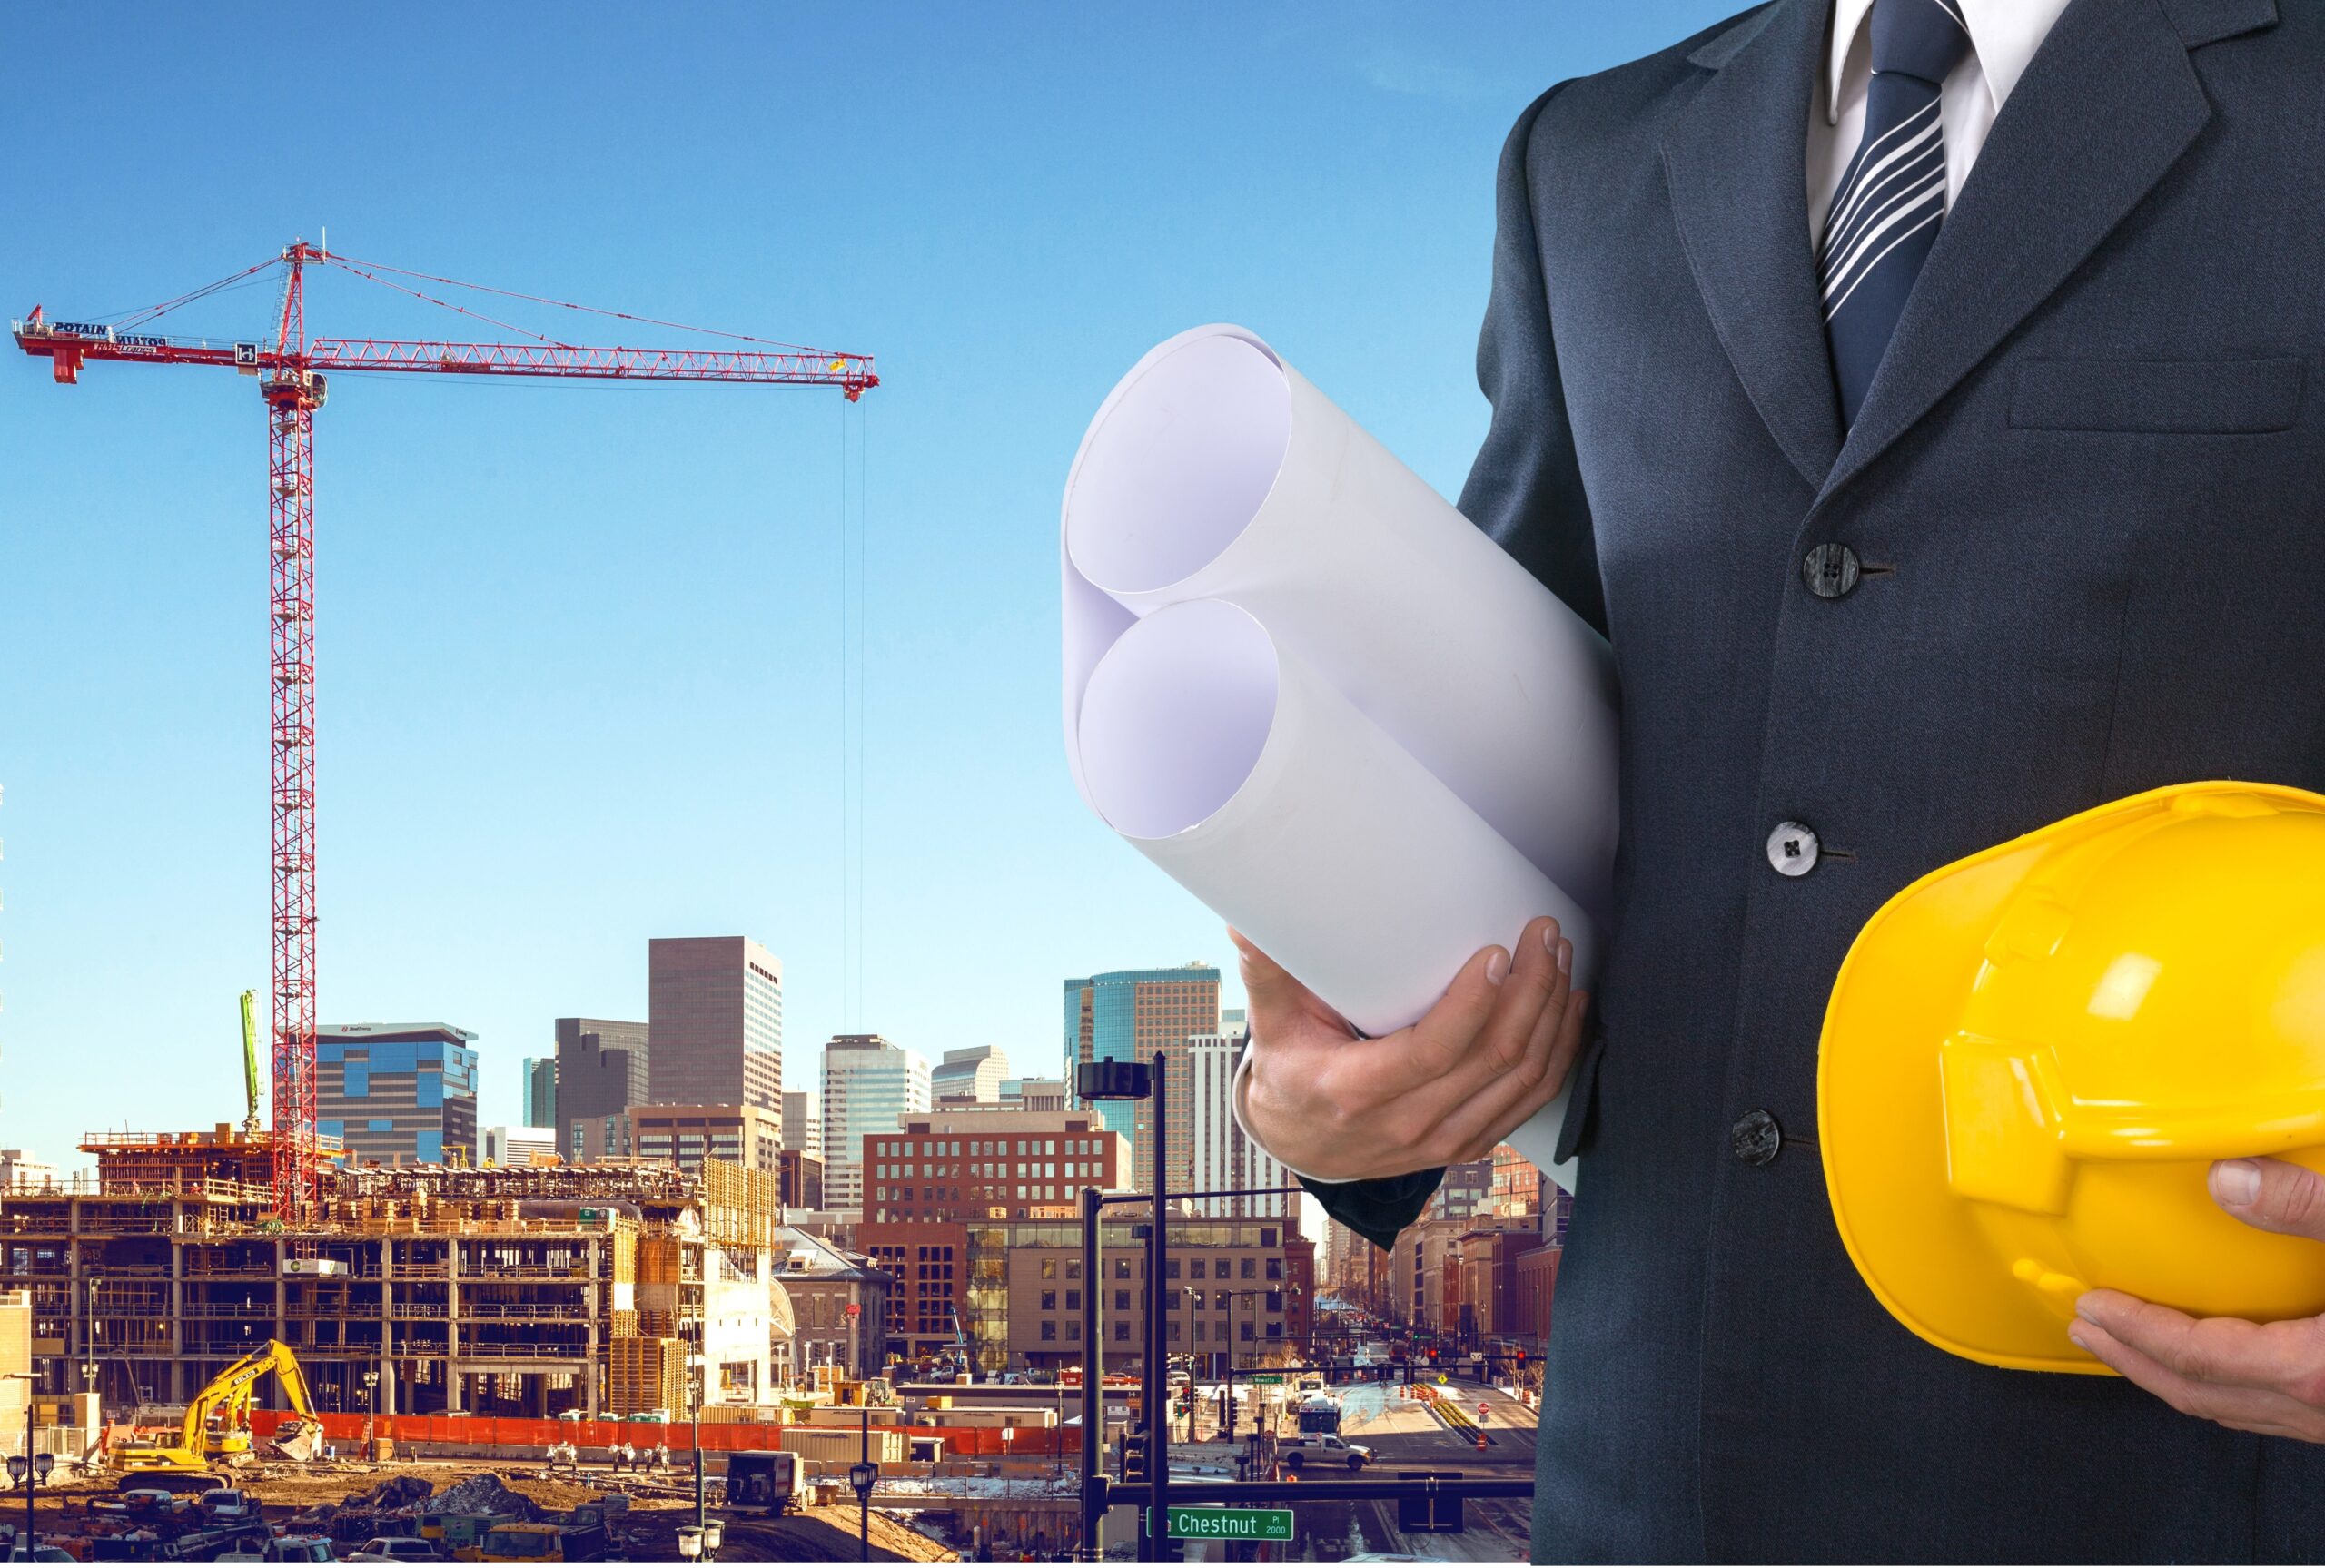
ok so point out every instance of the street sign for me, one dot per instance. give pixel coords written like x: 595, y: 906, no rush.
x: 1230, y: 1524
x: 1267, y: 1377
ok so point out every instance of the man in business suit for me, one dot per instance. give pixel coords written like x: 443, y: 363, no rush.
x: 1915, y: 392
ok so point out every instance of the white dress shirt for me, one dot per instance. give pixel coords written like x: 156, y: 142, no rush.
x: 2004, y: 36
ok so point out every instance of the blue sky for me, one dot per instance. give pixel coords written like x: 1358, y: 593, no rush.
x: 579, y: 646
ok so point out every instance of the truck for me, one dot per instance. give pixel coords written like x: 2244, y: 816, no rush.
x: 764, y: 1479
x: 1298, y: 1451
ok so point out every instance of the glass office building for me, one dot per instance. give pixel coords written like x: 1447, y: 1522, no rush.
x: 396, y: 1093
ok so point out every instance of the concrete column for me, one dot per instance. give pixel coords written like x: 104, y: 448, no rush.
x: 386, y: 1326
x: 455, y: 1401
x: 281, y: 1291
x: 592, y: 1296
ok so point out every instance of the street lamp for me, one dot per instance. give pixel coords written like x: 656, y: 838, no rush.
x: 370, y: 1410
x: 28, y: 1468
x: 1132, y: 1080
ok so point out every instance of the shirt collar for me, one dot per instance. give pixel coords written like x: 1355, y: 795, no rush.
x: 2003, y: 33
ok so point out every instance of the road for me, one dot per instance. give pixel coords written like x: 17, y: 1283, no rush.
x: 1403, y: 1435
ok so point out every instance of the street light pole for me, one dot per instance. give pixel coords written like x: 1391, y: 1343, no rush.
x: 1094, y: 1408
x: 1158, y: 1381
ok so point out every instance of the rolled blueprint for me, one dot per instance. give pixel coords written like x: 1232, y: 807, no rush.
x: 1214, y: 470
x: 1240, y: 771
x: 1308, y: 689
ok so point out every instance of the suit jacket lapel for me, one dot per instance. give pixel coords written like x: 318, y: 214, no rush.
x: 1735, y: 160
x: 2106, y: 108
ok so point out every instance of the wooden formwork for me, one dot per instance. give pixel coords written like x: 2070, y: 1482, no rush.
x: 645, y: 1374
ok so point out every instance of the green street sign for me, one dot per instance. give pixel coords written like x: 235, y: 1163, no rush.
x: 1267, y: 1377
x: 1230, y: 1524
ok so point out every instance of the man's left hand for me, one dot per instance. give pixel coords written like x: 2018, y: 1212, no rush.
x: 2265, y: 1378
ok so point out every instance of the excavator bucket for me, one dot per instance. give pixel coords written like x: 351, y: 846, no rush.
x: 298, y: 1438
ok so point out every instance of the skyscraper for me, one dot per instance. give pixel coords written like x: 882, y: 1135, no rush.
x: 602, y: 1071
x: 975, y: 1074
x: 1224, y: 1156
x: 803, y: 1122
x: 540, y: 1091
x: 1128, y: 1015
x: 713, y: 1009
x: 869, y: 1086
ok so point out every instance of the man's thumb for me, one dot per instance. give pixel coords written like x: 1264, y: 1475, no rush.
x: 2271, y: 1195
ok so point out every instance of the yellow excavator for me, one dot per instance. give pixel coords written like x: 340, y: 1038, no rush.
x: 216, y: 1428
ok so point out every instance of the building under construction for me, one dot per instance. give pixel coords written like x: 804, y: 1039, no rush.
x: 607, y: 1289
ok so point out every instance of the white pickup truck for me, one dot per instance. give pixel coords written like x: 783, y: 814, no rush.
x: 1295, y: 1452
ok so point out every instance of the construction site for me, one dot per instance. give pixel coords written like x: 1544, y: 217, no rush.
x: 421, y: 1326
x: 539, y: 1291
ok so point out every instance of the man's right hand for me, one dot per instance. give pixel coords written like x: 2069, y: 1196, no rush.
x: 1495, y: 1050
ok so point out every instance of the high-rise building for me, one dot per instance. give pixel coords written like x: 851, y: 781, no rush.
x: 396, y: 1093
x: 803, y: 1122
x: 988, y: 1164
x: 1130, y: 1015
x: 971, y: 1076
x: 1224, y: 1157
x: 539, y: 1100
x: 602, y: 1071
x: 869, y: 1086
x: 516, y: 1145
x: 685, y: 1135
x: 713, y: 1009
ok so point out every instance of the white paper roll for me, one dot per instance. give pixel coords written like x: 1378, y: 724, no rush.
x: 1233, y: 765
x: 1214, y: 470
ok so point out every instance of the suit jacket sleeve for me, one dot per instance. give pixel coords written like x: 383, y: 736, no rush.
x: 1526, y: 490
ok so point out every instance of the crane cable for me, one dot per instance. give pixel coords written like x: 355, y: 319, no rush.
x: 568, y: 305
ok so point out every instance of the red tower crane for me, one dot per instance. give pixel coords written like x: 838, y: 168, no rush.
x: 292, y: 373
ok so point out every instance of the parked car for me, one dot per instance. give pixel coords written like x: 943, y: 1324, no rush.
x: 1326, y: 1450
x: 396, y: 1549
x: 227, y: 1505
x: 285, y: 1549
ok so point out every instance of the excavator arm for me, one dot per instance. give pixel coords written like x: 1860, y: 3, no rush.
x: 216, y: 1425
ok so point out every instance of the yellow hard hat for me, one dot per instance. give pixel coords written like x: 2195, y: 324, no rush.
x: 2032, y: 1056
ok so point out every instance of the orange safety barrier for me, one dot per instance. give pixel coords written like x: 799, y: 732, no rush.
x: 718, y: 1437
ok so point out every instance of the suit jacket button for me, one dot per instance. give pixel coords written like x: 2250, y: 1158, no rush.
x: 1755, y: 1138
x: 1792, y: 849
x: 1830, y: 570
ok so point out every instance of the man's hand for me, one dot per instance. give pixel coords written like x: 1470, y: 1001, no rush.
x: 1494, y: 1050
x: 2266, y: 1377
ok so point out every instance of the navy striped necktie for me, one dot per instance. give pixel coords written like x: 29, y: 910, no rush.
x: 1885, y: 216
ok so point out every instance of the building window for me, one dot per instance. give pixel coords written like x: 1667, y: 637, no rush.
x: 1122, y: 1330
x: 1049, y: 1301
x: 1246, y: 1326
x: 1170, y: 1268
x: 1195, y: 1268
x: 1247, y: 1268
x: 1049, y: 1269
x: 1122, y: 1301
x: 1275, y: 1268
x: 1049, y: 1329
x: 1121, y: 1268
x: 1074, y: 1331
x: 1074, y: 1301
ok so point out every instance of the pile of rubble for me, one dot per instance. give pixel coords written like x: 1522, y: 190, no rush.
x: 480, y: 1495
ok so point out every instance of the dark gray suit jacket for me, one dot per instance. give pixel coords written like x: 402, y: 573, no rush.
x: 2087, y: 487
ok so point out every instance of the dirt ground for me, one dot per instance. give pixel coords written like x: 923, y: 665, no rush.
x: 659, y: 1507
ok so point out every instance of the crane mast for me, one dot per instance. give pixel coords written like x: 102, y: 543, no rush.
x: 292, y: 382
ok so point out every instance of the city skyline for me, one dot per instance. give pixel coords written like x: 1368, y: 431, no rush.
x: 579, y: 656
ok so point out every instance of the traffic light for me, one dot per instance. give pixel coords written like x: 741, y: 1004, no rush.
x: 1134, y: 1457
